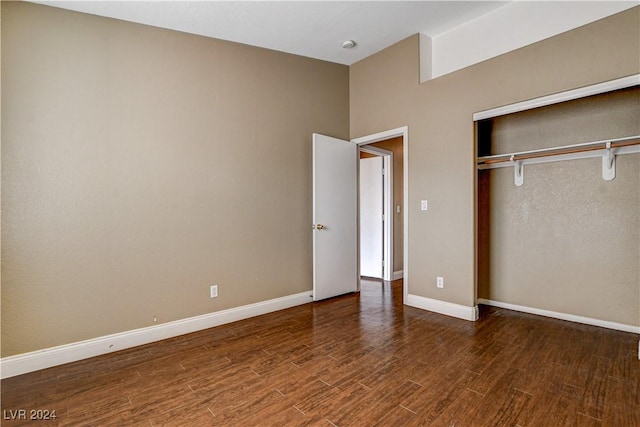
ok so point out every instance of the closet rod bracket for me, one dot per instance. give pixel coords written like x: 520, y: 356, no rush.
x: 608, y: 163
x: 518, y: 169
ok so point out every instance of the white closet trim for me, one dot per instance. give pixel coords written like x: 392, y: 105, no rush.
x: 582, y: 92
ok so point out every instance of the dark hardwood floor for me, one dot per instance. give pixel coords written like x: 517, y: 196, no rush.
x: 356, y: 360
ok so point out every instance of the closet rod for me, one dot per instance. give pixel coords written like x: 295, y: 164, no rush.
x: 557, y: 151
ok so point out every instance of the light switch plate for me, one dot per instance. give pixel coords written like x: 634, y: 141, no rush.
x: 423, y: 205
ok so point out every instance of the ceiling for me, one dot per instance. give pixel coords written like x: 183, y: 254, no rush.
x: 314, y: 29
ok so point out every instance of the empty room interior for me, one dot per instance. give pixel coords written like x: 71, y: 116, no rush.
x: 183, y: 225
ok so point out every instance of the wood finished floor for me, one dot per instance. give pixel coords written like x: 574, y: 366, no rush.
x: 357, y: 360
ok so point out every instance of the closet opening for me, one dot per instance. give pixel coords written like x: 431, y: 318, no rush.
x: 558, y: 209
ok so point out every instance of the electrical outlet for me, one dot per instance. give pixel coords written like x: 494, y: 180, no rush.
x: 213, y: 291
x: 440, y: 282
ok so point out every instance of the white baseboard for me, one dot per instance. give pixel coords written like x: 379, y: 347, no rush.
x: 48, y: 357
x: 398, y: 274
x: 443, y: 307
x: 562, y: 316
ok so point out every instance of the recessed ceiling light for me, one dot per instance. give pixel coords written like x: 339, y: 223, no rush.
x: 348, y: 44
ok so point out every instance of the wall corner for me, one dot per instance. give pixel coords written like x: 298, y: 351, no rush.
x: 426, y: 58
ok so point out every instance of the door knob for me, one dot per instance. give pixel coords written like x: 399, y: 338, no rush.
x: 319, y: 227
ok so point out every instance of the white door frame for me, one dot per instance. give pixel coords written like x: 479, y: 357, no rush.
x: 382, y: 136
x: 387, y: 203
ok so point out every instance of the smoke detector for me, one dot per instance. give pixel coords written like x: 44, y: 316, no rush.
x: 348, y: 44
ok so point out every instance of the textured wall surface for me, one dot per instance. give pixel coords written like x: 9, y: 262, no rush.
x: 566, y: 240
x: 141, y: 165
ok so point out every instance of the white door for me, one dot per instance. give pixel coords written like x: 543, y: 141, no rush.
x: 335, y: 217
x: 371, y: 212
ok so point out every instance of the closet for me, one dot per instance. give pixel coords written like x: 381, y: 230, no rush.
x: 558, y: 208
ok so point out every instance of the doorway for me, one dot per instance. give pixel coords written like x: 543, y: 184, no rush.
x: 330, y: 237
x: 393, y: 143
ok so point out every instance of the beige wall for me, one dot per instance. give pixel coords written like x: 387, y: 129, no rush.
x: 141, y: 165
x: 395, y: 146
x: 566, y: 240
x: 385, y: 94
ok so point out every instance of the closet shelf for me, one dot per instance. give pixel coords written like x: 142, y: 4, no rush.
x: 607, y: 149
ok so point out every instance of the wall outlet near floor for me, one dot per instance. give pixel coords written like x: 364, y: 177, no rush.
x: 213, y: 291
x: 440, y: 282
